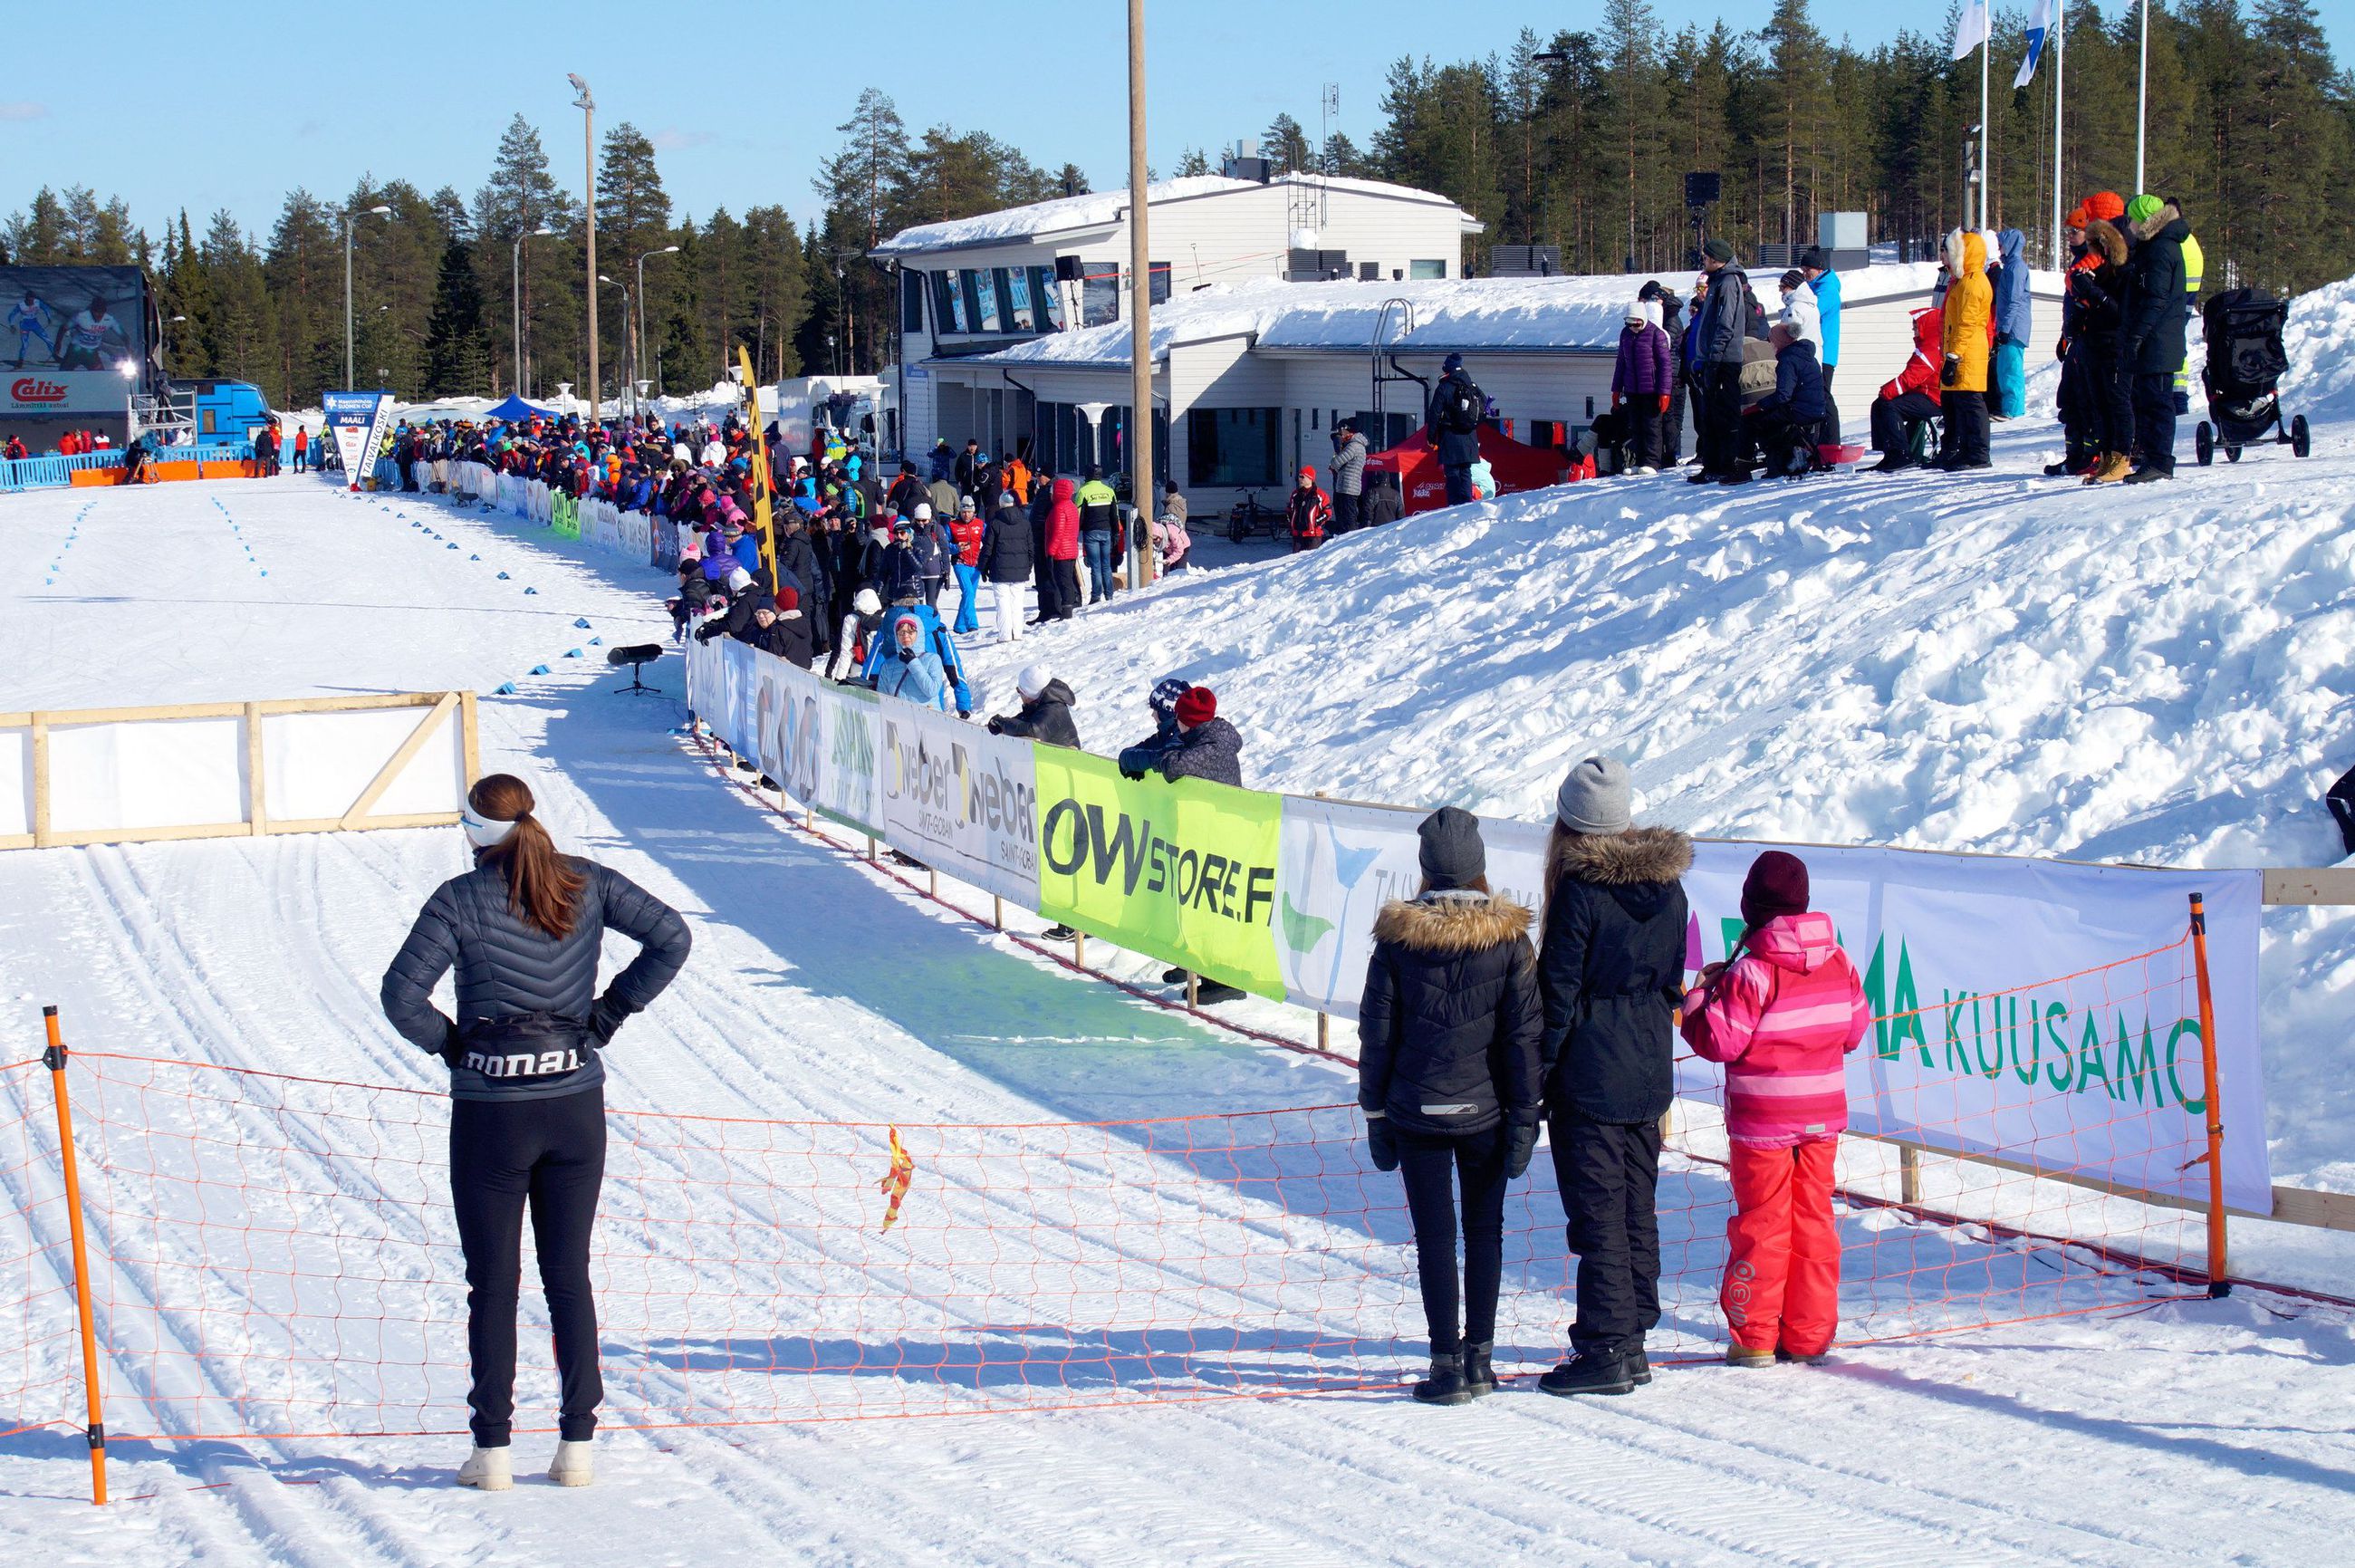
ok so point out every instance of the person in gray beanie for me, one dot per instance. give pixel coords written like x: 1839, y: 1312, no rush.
x: 1611, y: 970
x: 1448, y: 1077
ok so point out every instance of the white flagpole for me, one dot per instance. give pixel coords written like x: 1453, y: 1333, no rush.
x: 1987, y: 48
x: 2142, y: 99
x: 2059, y: 41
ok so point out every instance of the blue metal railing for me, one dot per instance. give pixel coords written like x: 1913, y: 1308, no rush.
x: 55, y: 471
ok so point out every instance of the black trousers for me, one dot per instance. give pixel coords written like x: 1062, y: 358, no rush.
x: 1458, y: 476
x: 1042, y: 574
x: 1609, y: 1173
x: 2340, y: 799
x: 1723, y: 447
x: 1788, y: 446
x: 1893, y: 422
x: 1966, y: 427
x: 1672, y: 435
x: 1345, y: 514
x: 549, y: 1154
x: 1831, y: 431
x: 1431, y: 1167
x: 2112, y: 392
x: 2154, y: 420
x: 1648, y: 437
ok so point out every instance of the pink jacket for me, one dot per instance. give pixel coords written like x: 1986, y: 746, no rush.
x: 1782, y: 1019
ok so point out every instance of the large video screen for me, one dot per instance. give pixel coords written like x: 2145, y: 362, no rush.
x: 73, y: 318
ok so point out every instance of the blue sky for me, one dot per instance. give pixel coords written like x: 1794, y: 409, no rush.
x: 237, y: 112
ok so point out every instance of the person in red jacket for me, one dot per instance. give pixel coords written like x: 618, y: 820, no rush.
x: 1307, y: 511
x: 966, y: 533
x: 1782, y: 1015
x: 1063, y: 548
x: 302, y: 448
x: 1912, y: 397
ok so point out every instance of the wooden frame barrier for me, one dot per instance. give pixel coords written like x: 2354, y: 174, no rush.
x: 256, y: 821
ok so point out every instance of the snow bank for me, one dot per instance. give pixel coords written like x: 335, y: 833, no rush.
x: 1994, y: 661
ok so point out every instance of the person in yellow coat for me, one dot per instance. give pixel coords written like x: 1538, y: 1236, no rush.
x: 1969, y: 335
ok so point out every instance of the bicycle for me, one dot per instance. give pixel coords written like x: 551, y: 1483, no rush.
x: 1251, y: 515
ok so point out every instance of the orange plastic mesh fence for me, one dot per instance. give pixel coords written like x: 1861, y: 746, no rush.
x: 276, y: 1255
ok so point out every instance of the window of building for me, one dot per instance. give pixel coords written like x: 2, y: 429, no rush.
x: 1426, y: 269
x: 1159, y: 273
x: 911, y: 302
x: 1049, y: 295
x: 948, y: 302
x: 1233, y: 446
x: 1099, y: 294
x: 975, y: 285
x: 1017, y: 299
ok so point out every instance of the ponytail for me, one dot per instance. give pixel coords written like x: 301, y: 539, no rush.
x: 542, y: 887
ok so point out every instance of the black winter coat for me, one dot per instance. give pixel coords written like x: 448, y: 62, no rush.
x: 1213, y: 750
x: 1449, y: 1028
x: 2151, y: 337
x: 514, y: 978
x: 737, y: 619
x: 1046, y: 717
x: 1458, y: 449
x: 799, y: 561
x: 1725, y: 319
x: 1006, y: 547
x: 1612, y: 970
x: 789, y: 636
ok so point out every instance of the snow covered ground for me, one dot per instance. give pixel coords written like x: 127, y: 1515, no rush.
x: 1985, y: 660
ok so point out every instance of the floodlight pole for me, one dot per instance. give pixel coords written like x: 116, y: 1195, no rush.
x: 586, y: 103
x: 347, y: 216
x: 1140, y: 290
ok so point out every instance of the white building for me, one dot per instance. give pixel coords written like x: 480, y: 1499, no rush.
x: 1251, y: 370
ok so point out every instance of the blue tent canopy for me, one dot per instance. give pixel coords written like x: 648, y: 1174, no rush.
x: 514, y: 408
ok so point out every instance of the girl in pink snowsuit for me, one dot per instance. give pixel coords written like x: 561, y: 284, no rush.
x: 1782, y: 1016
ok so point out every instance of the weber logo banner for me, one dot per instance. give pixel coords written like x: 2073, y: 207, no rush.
x: 958, y: 797
x: 356, y: 421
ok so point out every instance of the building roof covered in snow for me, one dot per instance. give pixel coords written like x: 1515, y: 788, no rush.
x: 1074, y: 215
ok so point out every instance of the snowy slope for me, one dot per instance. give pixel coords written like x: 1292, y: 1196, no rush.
x: 1993, y: 661
x: 818, y: 991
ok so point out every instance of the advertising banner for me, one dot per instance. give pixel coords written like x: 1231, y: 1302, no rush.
x: 955, y: 796
x: 355, y: 420
x: 1986, y: 1048
x: 64, y: 392
x: 1185, y: 870
x: 563, y: 516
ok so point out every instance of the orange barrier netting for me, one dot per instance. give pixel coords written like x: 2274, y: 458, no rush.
x: 275, y: 1255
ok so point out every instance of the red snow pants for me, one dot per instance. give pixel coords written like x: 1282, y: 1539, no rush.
x: 1782, y: 1256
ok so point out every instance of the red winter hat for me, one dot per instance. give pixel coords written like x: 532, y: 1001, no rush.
x: 1777, y: 884
x: 1198, y: 706
x: 2106, y: 205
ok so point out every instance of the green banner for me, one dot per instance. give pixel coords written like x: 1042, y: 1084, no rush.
x: 564, y: 516
x: 1185, y: 871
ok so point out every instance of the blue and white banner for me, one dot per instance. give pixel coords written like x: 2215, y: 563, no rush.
x: 356, y: 421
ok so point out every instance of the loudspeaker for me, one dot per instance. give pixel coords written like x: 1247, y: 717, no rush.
x: 1067, y: 269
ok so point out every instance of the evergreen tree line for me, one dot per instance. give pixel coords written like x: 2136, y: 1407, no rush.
x: 1581, y: 141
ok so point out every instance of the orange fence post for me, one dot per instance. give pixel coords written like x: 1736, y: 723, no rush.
x: 2219, y: 1281
x: 54, y: 1058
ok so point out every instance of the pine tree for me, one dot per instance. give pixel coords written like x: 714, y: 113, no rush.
x: 457, y: 349
x: 2299, y: 154
x: 1192, y: 163
x: 1285, y: 144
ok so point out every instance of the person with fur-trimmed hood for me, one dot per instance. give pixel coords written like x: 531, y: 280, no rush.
x: 1611, y: 970
x: 2151, y: 337
x: 1448, y: 1077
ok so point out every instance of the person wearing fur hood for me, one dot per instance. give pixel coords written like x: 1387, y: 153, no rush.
x: 1448, y: 1076
x: 1611, y: 969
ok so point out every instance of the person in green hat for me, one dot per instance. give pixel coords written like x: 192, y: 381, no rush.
x: 2152, y: 339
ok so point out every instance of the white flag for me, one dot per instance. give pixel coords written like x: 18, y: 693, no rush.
x: 2040, y: 26
x: 1973, y: 28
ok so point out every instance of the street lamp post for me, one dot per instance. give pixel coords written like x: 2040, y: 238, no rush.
x: 625, y: 333
x: 347, y: 216
x: 587, y: 104
x: 638, y: 363
x: 516, y: 262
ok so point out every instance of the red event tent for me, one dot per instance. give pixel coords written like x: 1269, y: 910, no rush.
x: 1422, y: 488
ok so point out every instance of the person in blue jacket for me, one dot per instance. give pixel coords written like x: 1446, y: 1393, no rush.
x: 908, y: 669
x: 958, y: 691
x: 1817, y: 266
x: 2015, y: 322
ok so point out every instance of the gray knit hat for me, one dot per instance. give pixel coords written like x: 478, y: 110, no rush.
x: 1451, y: 854
x: 1596, y: 798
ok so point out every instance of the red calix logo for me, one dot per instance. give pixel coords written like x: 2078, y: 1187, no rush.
x: 36, y: 389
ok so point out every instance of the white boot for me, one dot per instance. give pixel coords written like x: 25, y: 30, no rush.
x: 487, y: 1470
x: 572, y: 1466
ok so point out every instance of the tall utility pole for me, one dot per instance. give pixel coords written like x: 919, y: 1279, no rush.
x: 373, y: 211
x: 588, y: 107
x: 665, y: 251
x: 2142, y: 100
x: 514, y: 261
x: 1140, y: 293
x: 2060, y: 91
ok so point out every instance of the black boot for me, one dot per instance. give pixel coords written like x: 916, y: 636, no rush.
x: 1588, y: 1372
x: 1479, y: 1374
x: 1639, y: 1367
x: 1445, y: 1385
x: 1208, y: 991
x: 1173, y: 976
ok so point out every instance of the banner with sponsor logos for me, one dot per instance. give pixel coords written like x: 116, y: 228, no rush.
x: 355, y: 420
x: 2097, y: 1070
x: 1182, y: 871
x: 67, y: 392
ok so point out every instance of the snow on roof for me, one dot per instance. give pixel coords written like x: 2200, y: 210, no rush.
x: 1098, y: 209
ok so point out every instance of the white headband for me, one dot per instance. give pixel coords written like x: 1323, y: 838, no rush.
x: 483, y: 831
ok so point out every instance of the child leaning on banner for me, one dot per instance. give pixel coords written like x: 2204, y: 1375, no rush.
x: 1782, y: 1015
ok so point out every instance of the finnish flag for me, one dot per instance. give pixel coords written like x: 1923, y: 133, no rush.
x: 2040, y: 26
x: 1973, y: 26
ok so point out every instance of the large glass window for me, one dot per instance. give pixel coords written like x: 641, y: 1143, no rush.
x: 1017, y: 299
x: 1232, y: 447
x: 1049, y: 295
x: 1426, y: 269
x: 1099, y: 293
x: 977, y: 288
x: 948, y: 302
x: 911, y: 302
x: 1159, y: 273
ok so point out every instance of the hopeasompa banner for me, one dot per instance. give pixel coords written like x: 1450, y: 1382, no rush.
x: 1182, y: 871
x: 2042, y: 1010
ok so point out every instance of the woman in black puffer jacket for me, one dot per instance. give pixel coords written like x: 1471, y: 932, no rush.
x: 527, y: 1116
x: 1448, y: 1076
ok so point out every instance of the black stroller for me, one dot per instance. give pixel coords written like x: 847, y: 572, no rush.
x: 2242, y: 376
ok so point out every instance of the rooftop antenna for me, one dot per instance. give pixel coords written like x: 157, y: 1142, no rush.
x: 1329, y: 106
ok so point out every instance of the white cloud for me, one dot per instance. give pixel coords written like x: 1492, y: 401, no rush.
x: 674, y: 140
x: 23, y: 111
